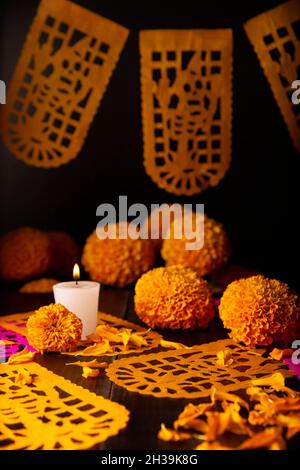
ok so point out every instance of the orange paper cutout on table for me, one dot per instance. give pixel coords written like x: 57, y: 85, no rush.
x: 191, y: 373
x: 17, y: 323
x: 275, y: 36
x: 186, y: 80
x: 52, y: 413
x: 62, y: 74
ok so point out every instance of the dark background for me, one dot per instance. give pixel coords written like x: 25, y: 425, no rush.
x: 257, y: 200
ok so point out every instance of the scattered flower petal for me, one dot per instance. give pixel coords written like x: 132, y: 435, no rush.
x: 125, y: 335
x: 218, y: 395
x: 94, y: 364
x: 87, y: 372
x: 97, y: 349
x: 190, y: 414
x: 289, y: 421
x: 21, y: 357
x: 102, y: 332
x: 23, y: 377
x: 224, y: 358
x: 172, y: 345
x: 276, y: 381
x: 166, y: 434
x: 138, y: 339
x: 279, y: 354
x: 212, y: 446
x: 270, y: 438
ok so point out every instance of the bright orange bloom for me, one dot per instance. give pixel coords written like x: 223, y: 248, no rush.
x: 24, y: 254
x: 206, y: 260
x: 53, y: 328
x: 260, y: 311
x: 173, y: 297
x: 117, y: 261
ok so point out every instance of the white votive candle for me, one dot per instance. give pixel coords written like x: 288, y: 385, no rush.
x: 81, y: 298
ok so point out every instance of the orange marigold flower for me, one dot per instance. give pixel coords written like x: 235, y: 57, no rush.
x: 117, y: 261
x: 24, y: 254
x: 39, y: 286
x: 64, y: 253
x: 260, y: 311
x: 173, y: 297
x: 53, y: 328
x: 212, y: 256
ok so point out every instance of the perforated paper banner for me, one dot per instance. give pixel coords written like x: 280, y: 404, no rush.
x: 191, y: 374
x: 58, y: 83
x: 53, y: 413
x: 186, y: 80
x: 275, y: 36
x: 17, y: 323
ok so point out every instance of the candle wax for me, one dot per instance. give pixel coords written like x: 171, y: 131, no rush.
x: 82, y: 299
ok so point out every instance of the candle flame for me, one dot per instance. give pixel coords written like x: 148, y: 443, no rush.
x: 76, y: 272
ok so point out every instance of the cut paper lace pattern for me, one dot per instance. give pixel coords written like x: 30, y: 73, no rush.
x: 58, y: 83
x: 275, y: 36
x: 191, y: 373
x: 52, y: 413
x: 186, y: 80
x: 17, y: 323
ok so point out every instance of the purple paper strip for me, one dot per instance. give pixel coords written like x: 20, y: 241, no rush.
x: 7, y: 350
x: 295, y: 368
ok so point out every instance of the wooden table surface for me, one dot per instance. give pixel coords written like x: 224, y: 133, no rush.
x: 146, y: 412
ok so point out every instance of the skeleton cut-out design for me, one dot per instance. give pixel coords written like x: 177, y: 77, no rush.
x: 275, y: 36
x: 61, y: 76
x: 186, y: 101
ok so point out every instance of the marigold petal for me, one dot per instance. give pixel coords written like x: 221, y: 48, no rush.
x: 87, y: 372
x: 276, y: 381
x: 138, y: 339
x: 190, y: 413
x: 172, y: 345
x: 94, y: 364
x: 224, y: 358
x: 270, y: 438
x: 21, y: 357
x: 97, y: 349
x: 279, y: 354
x: 166, y: 434
x: 23, y: 377
x: 212, y: 446
x: 219, y: 395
